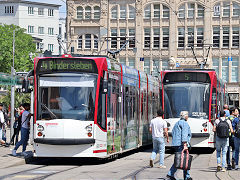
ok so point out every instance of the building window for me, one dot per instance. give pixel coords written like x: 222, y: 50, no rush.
x: 200, y: 11
x: 30, y: 29
x: 50, y: 12
x: 131, y: 38
x: 50, y: 47
x: 122, y: 37
x: 216, y: 37
x: 200, y: 37
x: 131, y: 62
x: 156, y: 10
x: 156, y: 38
x: 235, y: 64
x: 236, y: 9
x: 166, y: 13
x: 88, y: 12
x: 190, y: 36
x: 79, y: 12
x: 114, y: 40
x: 122, y: 61
x: 216, y: 64
x: 156, y: 67
x: 225, y: 36
x: 88, y: 41
x: 181, y: 37
x: 96, y: 12
x: 9, y: 9
x: 225, y: 69
x: 147, y: 37
x: 226, y: 9
x: 181, y: 11
x: 50, y: 31
x: 132, y: 13
x: 30, y: 10
x: 40, y: 30
x: 165, y: 32
x: 147, y: 65
x: 80, y: 42
x: 40, y: 11
x: 235, y: 37
x: 95, y: 42
x: 147, y: 12
x: 114, y: 12
x: 123, y: 11
x: 191, y: 10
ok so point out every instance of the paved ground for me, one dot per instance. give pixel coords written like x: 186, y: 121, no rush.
x: 133, y: 165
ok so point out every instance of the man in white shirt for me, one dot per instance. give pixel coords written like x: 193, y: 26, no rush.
x: 2, y: 120
x: 158, y: 127
x: 26, y: 115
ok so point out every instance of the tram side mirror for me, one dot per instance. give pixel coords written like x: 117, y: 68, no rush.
x: 25, y: 86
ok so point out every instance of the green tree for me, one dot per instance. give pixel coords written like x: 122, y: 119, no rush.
x: 23, y: 46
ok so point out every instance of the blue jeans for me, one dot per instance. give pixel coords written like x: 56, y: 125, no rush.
x: 24, y: 139
x: 173, y: 170
x: 237, y: 145
x: 221, y: 147
x: 231, y: 144
x: 158, y: 146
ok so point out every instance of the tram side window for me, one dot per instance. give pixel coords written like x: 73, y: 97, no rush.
x: 101, y: 118
x: 214, y: 105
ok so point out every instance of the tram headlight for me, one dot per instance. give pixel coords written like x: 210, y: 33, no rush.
x: 88, y: 128
x: 40, y: 128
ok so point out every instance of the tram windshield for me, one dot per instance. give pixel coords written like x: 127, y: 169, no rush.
x: 67, y: 97
x: 191, y: 97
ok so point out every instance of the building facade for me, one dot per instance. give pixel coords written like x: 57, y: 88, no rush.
x: 41, y: 20
x: 162, y: 33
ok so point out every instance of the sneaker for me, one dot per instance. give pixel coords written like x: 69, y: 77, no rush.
x: 219, y: 168
x: 24, y: 153
x: 229, y: 167
x: 236, y: 167
x: 233, y: 164
x: 189, y: 178
x: 223, y: 169
x: 162, y: 167
x: 171, y: 177
x: 14, y: 152
x: 151, y: 163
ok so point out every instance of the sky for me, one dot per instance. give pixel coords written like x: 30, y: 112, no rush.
x: 62, y: 9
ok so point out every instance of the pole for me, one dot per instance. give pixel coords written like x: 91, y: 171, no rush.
x: 12, y: 89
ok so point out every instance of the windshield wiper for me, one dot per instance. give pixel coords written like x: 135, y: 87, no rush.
x: 50, y: 112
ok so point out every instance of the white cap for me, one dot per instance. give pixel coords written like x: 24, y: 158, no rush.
x: 183, y: 114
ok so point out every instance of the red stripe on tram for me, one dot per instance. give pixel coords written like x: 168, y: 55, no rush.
x: 100, y: 151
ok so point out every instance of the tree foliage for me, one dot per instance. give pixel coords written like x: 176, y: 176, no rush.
x: 23, y: 46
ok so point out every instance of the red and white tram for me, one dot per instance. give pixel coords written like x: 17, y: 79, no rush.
x: 91, y: 107
x: 200, y: 93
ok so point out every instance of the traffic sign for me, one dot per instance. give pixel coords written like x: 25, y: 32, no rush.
x: 142, y: 59
x: 229, y: 58
x: 177, y: 64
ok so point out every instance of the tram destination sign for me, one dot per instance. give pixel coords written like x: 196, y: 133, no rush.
x: 66, y: 65
x: 186, y: 77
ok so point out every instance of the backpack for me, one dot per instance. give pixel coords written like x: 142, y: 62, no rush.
x: 222, y: 129
x: 237, y: 130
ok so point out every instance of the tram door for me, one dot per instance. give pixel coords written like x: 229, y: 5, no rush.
x: 113, y: 114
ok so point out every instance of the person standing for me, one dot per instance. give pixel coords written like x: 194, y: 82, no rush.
x: 221, y: 127
x: 236, y: 128
x: 158, y: 128
x: 2, y: 121
x: 233, y: 113
x: 226, y: 109
x: 25, y: 126
x: 181, y: 136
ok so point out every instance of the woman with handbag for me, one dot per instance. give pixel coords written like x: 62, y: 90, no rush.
x: 181, y: 136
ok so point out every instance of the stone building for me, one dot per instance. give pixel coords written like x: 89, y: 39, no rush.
x: 162, y: 33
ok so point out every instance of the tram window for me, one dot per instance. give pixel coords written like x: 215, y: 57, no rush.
x: 101, y: 118
x: 214, y: 104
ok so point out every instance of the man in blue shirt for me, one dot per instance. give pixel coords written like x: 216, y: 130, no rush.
x: 181, y: 136
x: 226, y: 109
x: 236, y: 142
